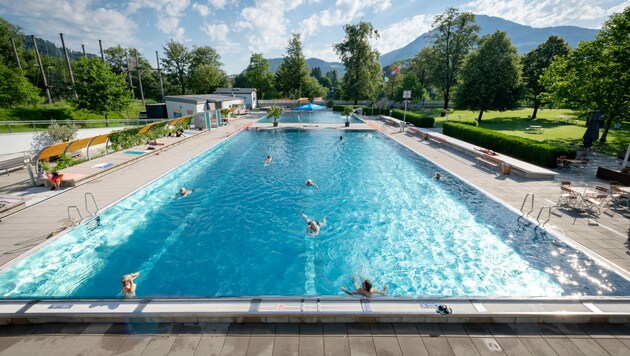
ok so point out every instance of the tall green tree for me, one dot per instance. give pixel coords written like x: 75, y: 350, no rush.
x: 7, y: 31
x: 99, y: 89
x: 15, y: 89
x: 535, y: 62
x: 332, y: 75
x: 455, y: 36
x: 490, y: 77
x: 207, y: 79
x: 258, y: 75
x: 422, y: 65
x: 363, y: 71
x: 177, y: 62
x: 312, y: 89
x: 293, y: 71
x: 205, y: 55
x: 409, y: 82
x: 595, y: 75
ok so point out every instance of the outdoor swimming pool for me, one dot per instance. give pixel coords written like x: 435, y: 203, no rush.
x: 312, y: 117
x: 240, y: 232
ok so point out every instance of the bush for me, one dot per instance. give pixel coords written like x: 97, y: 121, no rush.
x: 62, y: 133
x: 418, y: 120
x: 43, y: 113
x: 541, y: 154
x: 121, y: 140
x: 65, y: 161
x: 340, y: 107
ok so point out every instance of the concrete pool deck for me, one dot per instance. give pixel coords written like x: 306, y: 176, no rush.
x: 605, y: 240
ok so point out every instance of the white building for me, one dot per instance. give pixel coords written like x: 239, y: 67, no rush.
x: 184, y: 105
x: 249, y: 94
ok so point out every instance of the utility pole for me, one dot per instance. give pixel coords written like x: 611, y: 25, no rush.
x: 139, y: 78
x: 100, y: 45
x: 160, y: 74
x: 41, y: 70
x: 83, y: 48
x: 133, y: 93
x: 17, y: 58
x: 65, y: 52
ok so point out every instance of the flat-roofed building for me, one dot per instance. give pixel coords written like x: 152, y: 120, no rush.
x: 184, y: 105
x: 249, y: 94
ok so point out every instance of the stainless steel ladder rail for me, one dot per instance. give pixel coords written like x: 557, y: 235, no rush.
x: 525, y: 201
x: 94, y: 201
x: 75, y: 223
x: 548, y: 215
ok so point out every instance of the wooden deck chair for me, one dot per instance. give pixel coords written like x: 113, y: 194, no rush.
x: 567, y: 197
x: 619, y: 198
x: 98, y: 140
x: 146, y: 128
x: 596, y: 201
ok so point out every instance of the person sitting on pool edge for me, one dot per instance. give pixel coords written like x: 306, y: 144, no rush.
x: 129, y: 288
x: 55, y: 180
x: 312, y: 226
x: 310, y: 183
x: 184, y: 192
x: 366, y: 289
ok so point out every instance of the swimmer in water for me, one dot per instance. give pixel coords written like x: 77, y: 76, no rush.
x: 312, y: 226
x: 310, y: 183
x: 366, y: 289
x: 437, y: 176
x: 184, y: 192
x: 268, y: 160
x: 129, y: 288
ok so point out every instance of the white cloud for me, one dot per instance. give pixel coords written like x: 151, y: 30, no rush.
x: 81, y: 21
x: 266, y: 24
x: 344, y: 11
x: 168, y: 13
x: 540, y: 13
x: 400, y: 34
x: 217, y: 4
x: 216, y: 32
x: 327, y: 54
x: 202, y: 9
x: 619, y: 8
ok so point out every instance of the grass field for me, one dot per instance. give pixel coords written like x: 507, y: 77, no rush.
x: 561, y: 126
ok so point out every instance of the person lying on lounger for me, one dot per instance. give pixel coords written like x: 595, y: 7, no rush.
x: 366, y: 289
x: 155, y: 143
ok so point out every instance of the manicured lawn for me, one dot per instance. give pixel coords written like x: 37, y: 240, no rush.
x: 561, y: 126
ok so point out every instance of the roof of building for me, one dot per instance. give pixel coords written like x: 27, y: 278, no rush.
x: 200, y: 98
x: 234, y: 90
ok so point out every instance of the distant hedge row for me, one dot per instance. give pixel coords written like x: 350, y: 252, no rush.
x: 418, y: 120
x: 534, y: 152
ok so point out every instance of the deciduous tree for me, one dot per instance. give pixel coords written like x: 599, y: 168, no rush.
x: 177, y: 64
x: 490, y: 77
x: 99, y: 89
x: 363, y: 71
x: 535, y: 62
x: 259, y: 76
x: 15, y: 89
x: 455, y: 34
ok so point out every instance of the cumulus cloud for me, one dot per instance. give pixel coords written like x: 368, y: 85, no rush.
x: 540, y: 13
x: 402, y: 33
x: 216, y: 32
x: 327, y: 54
x: 168, y: 13
x: 217, y: 4
x: 203, y: 10
x: 81, y: 21
x: 344, y: 11
x: 266, y: 24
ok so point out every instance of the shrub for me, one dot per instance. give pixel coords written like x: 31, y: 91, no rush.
x: 125, y: 138
x: 538, y: 153
x: 43, y: 113
x: 66, y: 161
x: 340, y: 107
x: 418, y: 120
x: 62, y: 133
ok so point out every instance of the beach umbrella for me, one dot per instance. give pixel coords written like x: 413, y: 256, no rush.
x: 310, y: 107
x: 592, y: 129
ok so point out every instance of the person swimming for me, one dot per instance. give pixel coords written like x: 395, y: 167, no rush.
x: 184, y: 192
x: 365, y: 289
x: 268, y: 160
x: 310, y: 183
x: 129, y: 288
x: 312, y: 226
x: 437, y: 176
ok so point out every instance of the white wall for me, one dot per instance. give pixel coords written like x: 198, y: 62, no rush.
x: 184, y: 109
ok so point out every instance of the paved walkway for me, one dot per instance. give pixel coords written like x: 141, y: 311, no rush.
x: 315, y: 339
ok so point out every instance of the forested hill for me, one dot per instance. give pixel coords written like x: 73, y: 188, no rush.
x: 50, y: 49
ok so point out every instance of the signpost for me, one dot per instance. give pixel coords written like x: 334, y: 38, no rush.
x: 406, y: 96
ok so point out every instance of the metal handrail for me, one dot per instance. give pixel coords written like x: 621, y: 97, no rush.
x: 548, y: 214
x: 43, y: 124
x: 94, y: 201
x: 525, y: 200
x: 78, y: 212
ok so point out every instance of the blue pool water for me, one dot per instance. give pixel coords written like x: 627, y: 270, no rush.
x: 240, y: 232
x: 312, y: 117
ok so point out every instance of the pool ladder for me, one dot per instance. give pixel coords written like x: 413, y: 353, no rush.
x: 525, y: 201
x: 547, y: 208
x: 72, y: 208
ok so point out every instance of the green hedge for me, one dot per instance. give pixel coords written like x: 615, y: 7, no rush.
x: 418, y: 120
x: 124, y: 139
x: 540, y: 154
x: 339, y: 107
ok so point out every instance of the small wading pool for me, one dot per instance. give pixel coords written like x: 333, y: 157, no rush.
x: 240, y: 232
x: 312, y: 117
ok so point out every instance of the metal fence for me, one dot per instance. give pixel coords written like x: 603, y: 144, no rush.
x: 385, y: 104
x: 42, y: 125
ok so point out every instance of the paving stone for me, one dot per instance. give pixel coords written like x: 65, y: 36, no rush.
x: 462, y: 345
x: 487, y: 346
x: 107, y: 345
x: 512, y: 346
x: 235, y: 345
x: 477, y: 330
x: 429, y: 329
x: 538, y: 346
x: 563, y: 346
x: 335, y: 329
x: 336, y: 345
x: 437, y: 346
x: 311, y: 329
x: 382, y: 329
x: 184, y: 345
x: 387, y: 345
x: 159, y: 345
x: 613, y: 346
x: 260, y: 345
x: 210, y: 346
x: 361, y: 345
x: 412, y: 345
x: 286, y: 345
x: 311, y: 345
x: 589, y: 347
x: 134, y: 345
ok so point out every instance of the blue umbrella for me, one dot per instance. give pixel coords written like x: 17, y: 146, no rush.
x: 311, y: 107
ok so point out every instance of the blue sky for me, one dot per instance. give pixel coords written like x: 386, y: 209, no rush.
x: 238, y: 28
